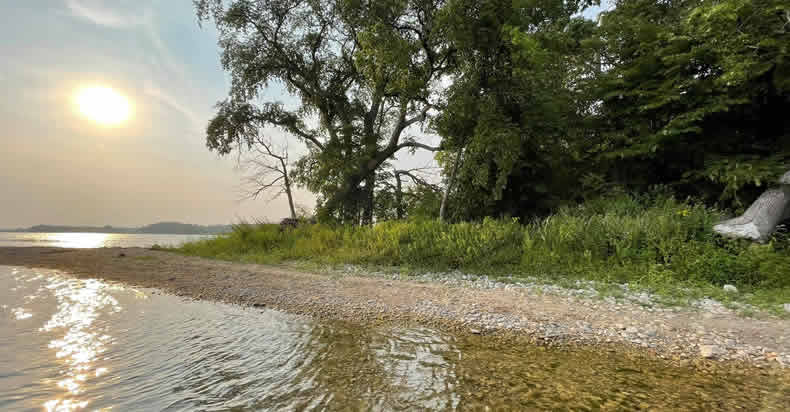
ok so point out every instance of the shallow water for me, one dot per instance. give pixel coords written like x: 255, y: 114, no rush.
x: 93, y: 240
x: 70, y: 344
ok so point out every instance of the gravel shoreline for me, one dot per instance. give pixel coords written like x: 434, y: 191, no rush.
x: 542, y: 313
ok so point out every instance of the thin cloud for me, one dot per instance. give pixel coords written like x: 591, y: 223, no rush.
x: 124, y: 19
x: 172, y: 102
x: 169, y: 61
x: 102, y: 15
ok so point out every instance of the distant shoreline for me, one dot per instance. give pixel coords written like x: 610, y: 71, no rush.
x: 675, y: 334
x: 111, y: 233
x: 161, y: 228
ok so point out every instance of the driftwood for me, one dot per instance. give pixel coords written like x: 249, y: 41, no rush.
x: 291, y: 223
x: 763, y: 216
x: 288, y: 223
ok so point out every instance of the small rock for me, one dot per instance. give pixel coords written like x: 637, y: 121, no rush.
x: 730, y: 289
x: 631, y: 329
x: 122, y: 254
x: 710, y: 351
x: 787, y: 307
x: 474, y: 331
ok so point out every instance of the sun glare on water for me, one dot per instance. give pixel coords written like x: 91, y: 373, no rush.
x: 103, y: 105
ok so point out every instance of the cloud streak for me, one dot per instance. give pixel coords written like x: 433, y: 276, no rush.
x: 119, y: 19
x: 173, y: 103
x: 102, y: 16
x: 166, y: 56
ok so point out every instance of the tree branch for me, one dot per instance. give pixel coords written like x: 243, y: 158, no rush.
x: 416, y: 179
x: 262, y: 187
x: 418, y: 145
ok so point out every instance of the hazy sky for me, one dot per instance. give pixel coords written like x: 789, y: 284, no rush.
x: 58, y: 167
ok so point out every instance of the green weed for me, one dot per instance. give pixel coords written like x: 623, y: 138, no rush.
x: 654, y: 243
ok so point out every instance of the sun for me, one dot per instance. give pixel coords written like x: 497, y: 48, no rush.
x: 103, y: 105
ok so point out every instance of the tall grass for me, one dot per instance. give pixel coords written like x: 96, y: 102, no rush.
x: 657, y: 242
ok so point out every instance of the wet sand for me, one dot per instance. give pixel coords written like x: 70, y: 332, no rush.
x: 677, y: 334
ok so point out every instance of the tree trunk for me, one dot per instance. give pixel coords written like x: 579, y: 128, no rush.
x: 290, y: 198
x: 398, y: 196
x: 368, y: 199
x: 446, y: 194
x: 287, y: 184
x: 350, y: 207
x: 762, y: 217
x: 350, y: 190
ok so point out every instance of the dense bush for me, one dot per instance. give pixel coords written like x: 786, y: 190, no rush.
x: 624, y: 240
x: 654, y: 241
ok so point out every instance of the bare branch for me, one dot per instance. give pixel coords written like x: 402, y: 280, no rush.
x: 416, y: 179
x: 267, y: 146
x: 416, y: 119
x: 418, y: 145
x: 263, y: 186
x: 268, y: 172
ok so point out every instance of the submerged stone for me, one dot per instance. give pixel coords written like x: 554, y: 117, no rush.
x: 710, y: 351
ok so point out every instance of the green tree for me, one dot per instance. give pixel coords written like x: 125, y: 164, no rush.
x: 406, y: 192
x: 694, y: 94
x: 363, y: 72
x: 516, y: 106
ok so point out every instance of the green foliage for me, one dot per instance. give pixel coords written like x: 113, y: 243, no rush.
x: 422, y: 202
x: 404, y: 193
x: 361, y: 72
x: 694, y: 94
x: 623, y: 240
x: 546, y: 108
x: 419, y: 242
x: 654, y: 242
x: 510, y: 107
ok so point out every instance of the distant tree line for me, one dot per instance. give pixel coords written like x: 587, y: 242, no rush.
x: 170, y: 228
x: 537, y: 107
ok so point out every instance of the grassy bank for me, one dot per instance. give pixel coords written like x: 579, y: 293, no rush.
x: 658, y: 244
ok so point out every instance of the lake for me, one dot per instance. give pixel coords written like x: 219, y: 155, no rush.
x: 92, y: 240
x: 84, y: 344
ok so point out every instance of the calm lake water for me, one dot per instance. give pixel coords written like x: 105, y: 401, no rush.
x: 91, y: 240
x: 70, y: 344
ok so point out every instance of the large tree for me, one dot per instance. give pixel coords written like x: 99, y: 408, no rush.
x: 514, y: 113
x: 363, y: 73
x: 695, y: 94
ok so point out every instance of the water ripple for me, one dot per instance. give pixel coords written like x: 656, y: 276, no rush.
x: 74, y: 344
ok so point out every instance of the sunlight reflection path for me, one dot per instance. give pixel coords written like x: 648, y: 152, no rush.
x: 80, y: 304
x: 79, y: 240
